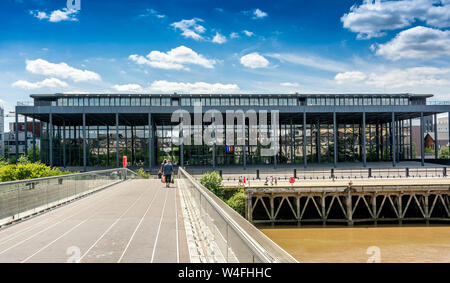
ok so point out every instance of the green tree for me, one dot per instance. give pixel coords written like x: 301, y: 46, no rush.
x: 213, y: 182
x: 444, y: 153
x: 237, y: 202
x: 38, y: 154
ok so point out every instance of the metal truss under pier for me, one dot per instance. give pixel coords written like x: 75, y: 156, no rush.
x: 343, y: 201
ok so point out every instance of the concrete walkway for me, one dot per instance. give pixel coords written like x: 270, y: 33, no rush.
x: 134, y: 221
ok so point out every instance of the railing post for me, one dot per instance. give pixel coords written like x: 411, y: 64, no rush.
x: 349, y: 205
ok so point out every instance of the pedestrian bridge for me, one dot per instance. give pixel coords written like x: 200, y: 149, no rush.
x: 117, y: 216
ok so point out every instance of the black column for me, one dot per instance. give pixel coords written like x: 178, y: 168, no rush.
x: 17, y: 136
x: 335, y: 147
x: 50, y: 139
x: 214, y: 142
x: 181, y: 136
x: 117, y: 140
x: 34, y: 140
x: 64, y: 144
x: 304, y: 141
x: 364, y: 151
x: 107, y: 145
x: 422, y: 143
x: 26, y: 135
x: 393, y: 131
x: 410, y: 140
x: 436, y: 140
x: 150, y: 141
x: 84, y: 143
x: 319, y: 143
x: 244, y: 149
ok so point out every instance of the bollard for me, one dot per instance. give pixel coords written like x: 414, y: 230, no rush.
x: 407, y: 172
x: 220, y: 173
x: 295, y: 173
x: 445, y: 171
x: 332, y: 173
x: 257, y: 174
x: 370, y: 172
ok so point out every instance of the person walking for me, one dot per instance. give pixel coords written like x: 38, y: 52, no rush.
x: 168, y: 170
x: 161, y: 168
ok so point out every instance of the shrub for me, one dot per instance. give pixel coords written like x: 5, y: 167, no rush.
x: 444, y: 153
x: 23, y: 160
x: 28, y: 171
x: 213, y: 182
x: 141, y: 172
x: 237, y: 202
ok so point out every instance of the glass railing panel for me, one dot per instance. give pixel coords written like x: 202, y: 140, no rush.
x: 22, y: 198
x: 232, y: 234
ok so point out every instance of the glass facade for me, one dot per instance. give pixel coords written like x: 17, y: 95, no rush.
x: 101, y: 145
x: 233, y: 101
x: 313, y: 142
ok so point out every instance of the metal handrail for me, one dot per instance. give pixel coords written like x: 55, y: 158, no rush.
x: 232, y: 218
x: 62, y: 176
x: 20, y: 199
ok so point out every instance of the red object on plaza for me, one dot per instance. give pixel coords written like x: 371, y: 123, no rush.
x: 292, y: 180
x: 125, y: 163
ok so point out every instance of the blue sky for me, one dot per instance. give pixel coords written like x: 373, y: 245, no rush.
x: 321, y: 46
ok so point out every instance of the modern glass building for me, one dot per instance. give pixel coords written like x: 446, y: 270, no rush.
x: 97, y: 130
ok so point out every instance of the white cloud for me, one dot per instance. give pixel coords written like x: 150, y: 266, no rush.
x: 128, y: 88
x: 220, y: 39
x: 310, y: 61
x: 372, y: 18
x: 63, y: 15
x: 50, y: 83
x: 61, y: 70
x: 175, y: 59
x: 288, y: 84
x: 416, y: 43
x: 57, y: 15
x: 197, y: 87
x: 190, y: 28
x: 152, y: 12
x: 248, y: 33
x: 254, y: 60
x: 258, y: 14
x: 234, y: 35
x: 350, y: 77
x: 39, y: 14
x: 399, y: 78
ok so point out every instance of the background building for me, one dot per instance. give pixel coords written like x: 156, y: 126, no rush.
x: 98, y: 130
x: 2, y: 131
x: 442, y: 132
x: 24, y: 144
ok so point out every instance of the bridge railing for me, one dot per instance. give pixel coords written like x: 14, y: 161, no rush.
x: 20, y: 199
x: 237, y: 239
x: 324, y: 174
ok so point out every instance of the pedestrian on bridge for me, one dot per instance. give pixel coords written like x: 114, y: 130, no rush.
x: 168, y: 170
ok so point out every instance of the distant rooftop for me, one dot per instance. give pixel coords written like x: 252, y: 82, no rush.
x: 57, y: 95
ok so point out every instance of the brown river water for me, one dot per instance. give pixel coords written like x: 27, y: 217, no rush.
x: 364, y: 244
